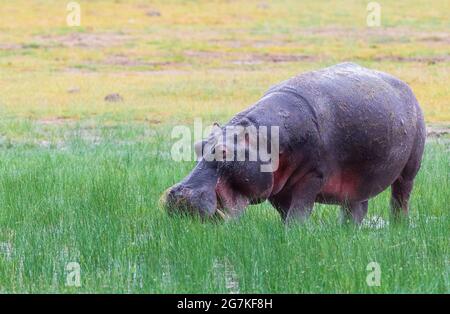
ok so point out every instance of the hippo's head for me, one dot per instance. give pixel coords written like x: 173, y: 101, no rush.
x: 226, y: 179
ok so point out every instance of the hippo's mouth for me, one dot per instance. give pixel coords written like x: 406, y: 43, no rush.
x: 229, y: 207
x: 220, y: 209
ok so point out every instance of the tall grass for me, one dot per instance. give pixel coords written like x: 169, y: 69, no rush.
x: 92, y: 199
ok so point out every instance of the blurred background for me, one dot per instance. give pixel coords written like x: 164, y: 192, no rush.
x: 169, y: 61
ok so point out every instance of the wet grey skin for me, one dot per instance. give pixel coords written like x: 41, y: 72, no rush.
x: 347, y: 133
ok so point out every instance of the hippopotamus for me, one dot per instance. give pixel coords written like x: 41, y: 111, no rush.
x: 345, y: 134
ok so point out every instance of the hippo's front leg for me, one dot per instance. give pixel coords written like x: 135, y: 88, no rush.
x: 354, y: 212
x: 295, y: 203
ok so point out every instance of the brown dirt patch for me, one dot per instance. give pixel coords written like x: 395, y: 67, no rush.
x: 123, y: 60
x: 384, y: 34
x: 272, y: 58
x: 86, y: 40
x: 6, y: 46
x: 251, y: 58
x: 152, y: 121
x: 248, y: 43
x: 445, y: 38
x: 436, y: 131
x: 55, y: 121
x: 422, y: 59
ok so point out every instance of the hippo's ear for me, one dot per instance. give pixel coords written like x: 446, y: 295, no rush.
x: 216, y: 124
x: 199, y: 149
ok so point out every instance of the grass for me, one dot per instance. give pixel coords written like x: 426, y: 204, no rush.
x: 80, y: 178
x: 92, y: 200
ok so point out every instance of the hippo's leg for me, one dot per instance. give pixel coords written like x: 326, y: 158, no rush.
x: 296, y: 203
x: 282, y: 202
x: 401, y: 190
x: 354, y: 212
x: 400, y: 193
x: 402, y: 187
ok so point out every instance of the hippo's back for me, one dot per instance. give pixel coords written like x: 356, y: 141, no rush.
x: 360, y: 113
x: 367, y: 121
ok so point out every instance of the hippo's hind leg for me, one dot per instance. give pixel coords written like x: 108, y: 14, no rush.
x: 354, y: 212
x: 403, y: 185
x: 401, y: 191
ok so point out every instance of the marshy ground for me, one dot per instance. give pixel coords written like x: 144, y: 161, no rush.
x: 85, y: 124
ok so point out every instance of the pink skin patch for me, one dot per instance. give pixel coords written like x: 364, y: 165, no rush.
x: 229, y: 200
x: 282, y: 174
x: 341, y: 185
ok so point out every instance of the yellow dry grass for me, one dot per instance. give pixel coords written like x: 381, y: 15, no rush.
x: 174, y: 60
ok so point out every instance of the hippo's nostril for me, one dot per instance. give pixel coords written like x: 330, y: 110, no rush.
x: 177, y: 192
x: 177, y: 200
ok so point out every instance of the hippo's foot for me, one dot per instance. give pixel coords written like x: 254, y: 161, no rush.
x: 354, y: 212
x: 401, y: 190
